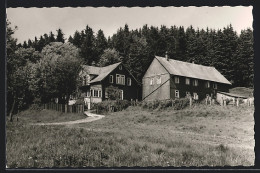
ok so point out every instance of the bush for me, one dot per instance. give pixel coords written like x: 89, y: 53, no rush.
x: 111, y: 105
x: 37, y: 107
x: 177, y: 104
x: 181, y: 103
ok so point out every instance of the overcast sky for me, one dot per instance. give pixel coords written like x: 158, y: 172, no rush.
x: 33, y: 22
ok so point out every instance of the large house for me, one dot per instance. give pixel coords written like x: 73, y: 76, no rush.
x: 97, y: 80
x: 169, y: 79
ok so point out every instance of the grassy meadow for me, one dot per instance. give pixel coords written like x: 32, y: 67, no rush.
x: 197, y: 136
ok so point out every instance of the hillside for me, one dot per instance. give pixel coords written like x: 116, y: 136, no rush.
x: 198, y: 136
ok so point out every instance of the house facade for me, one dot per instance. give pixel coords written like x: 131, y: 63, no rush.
x: 169, y: 79
x: 95, y: 82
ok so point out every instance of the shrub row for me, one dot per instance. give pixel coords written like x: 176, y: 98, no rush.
x: 111, y: 106
x: 177, y: 104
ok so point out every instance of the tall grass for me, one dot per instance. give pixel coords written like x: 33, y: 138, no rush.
x: 59, y: 147
x: 44, y: 115
x: 196, y: 136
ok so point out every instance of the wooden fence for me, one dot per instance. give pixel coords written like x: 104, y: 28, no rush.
x: 64, y: 108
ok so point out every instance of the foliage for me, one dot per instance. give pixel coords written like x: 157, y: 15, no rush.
x: 176, y: 104
x: 56, y: 74
x: 35, y: 71
x: 111, y: 105
x: 229, y: 52
x: 110, y: 56
x: 113, y: 93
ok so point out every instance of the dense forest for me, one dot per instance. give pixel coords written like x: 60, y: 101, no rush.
x: 229, y: 52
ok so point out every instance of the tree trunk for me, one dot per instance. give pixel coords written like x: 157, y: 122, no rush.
x: 11, y: 111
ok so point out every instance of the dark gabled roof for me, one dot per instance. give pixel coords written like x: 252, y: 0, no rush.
x: 102, y: 72
x: 192, y: 70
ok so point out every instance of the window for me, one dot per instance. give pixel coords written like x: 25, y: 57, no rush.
x: 120, y: 79
x: 129, y: 81
x: 215, y: 86
x: 106, y: 94
x: 99, y: 93
x: 177, y: 94
x: 159, y: 80
x: 111, y: 78
x: 95, y: 93
x: 195, y: 82
x: 88, y: 93
x: 187, y: 81
x: 176, y: 79
x: 187, y: 93
x: 207, y: 84
x: 195, y: 96
x: 120, y: 67
x: 151, y: 81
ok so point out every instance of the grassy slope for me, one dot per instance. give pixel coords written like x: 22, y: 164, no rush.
x: 33, y: 116
x: 191, y: 137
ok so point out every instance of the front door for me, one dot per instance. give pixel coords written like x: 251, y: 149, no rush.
x: 121, y: 94
x: 87, y: 102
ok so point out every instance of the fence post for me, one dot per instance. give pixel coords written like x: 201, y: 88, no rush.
x: 190, y: 101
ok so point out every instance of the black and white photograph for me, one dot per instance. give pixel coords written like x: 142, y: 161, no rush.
x: 129, y: 87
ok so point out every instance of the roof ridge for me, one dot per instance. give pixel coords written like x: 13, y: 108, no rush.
x: 186, y: 62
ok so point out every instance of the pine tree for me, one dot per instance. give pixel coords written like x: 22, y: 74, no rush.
x: 51, y: 37
x: 41, y: 43
x: 60, y: 36
x: 182, y: 45
x: 46, y: 39
x: 77, y: 39
x: 25, y: 44
x: 30, y: 44
x: 192, y: 45
x: 87, y: 48
x: 100, y: 43
x: 244, y: 64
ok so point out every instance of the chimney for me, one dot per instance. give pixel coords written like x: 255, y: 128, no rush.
x: 166, y: 56
x: 192, y: 62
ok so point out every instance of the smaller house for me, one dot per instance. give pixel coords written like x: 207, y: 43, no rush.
x: 233, y: 97
x: 95, y: 82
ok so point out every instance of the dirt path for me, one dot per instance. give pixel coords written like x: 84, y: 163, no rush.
x: 91, y: 117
